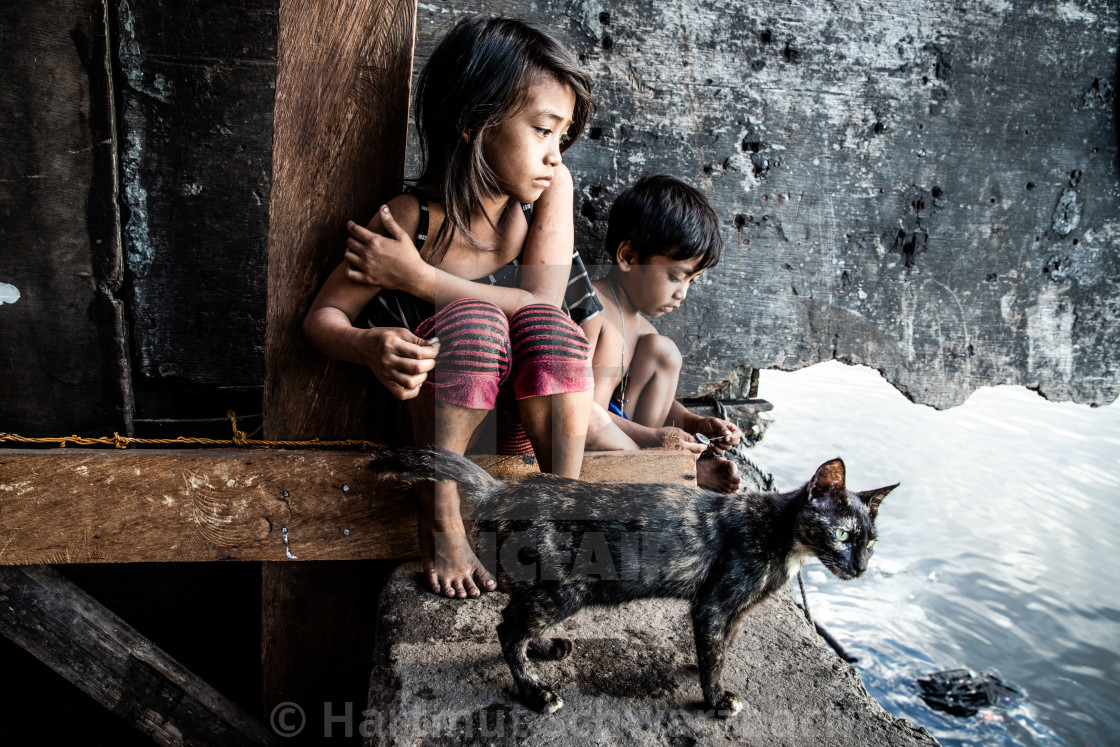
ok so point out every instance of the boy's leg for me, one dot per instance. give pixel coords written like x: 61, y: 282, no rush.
x: 454, y: 400
x: 654, y: 372
x: 604, y: 435
x: 652, y: 387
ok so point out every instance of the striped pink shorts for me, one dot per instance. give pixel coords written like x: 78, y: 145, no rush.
x: 487, y: 362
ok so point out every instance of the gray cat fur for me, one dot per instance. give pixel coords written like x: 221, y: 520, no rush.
x: 558, y: 545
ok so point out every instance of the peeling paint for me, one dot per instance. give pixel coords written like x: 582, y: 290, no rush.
x: 435, y: 8
x: 132, y: 59
x: 1050, y: 334
x: 287, y: 549
x: 139, y: 251
x: 1007, y: 309
x: 1068, y: 213
x: 1073, y: 13
x: 908, y: 304
x: 8, y: 293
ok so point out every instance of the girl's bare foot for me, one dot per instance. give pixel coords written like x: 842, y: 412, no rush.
x: 718, y: 474
x: 451, y: 567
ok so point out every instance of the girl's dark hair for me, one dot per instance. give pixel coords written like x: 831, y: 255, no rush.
x: 662, y: 215
x: 479, y: 76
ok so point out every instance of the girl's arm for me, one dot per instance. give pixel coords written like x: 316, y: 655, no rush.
x: 398, y: 358
x: 546, y: 261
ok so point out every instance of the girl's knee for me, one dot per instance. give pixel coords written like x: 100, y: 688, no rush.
x: 474, y: 353
x: 543, y: 313
x: 550, y: 353
x: 541, y: 329
x: 465, y: 317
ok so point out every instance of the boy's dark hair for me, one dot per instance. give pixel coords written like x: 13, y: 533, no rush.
x: 662, y: 215
x: 477, y: 77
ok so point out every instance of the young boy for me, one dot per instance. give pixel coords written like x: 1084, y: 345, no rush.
x: 662, y: 234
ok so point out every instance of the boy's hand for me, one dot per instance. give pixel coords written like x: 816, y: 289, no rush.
x: 670, y: 434
x: 384, y: 261
x: 399, y: 359
x: 722, y: 435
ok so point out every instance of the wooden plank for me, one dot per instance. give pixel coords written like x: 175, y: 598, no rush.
x: 100, y: 506
x: 69, y: 631
x: 61, y: 268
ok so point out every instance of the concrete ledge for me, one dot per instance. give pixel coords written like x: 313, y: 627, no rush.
x: 439, y: 679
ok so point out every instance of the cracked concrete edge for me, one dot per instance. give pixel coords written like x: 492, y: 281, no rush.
x: 439, y: 679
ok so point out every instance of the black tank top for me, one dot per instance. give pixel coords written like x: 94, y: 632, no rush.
x: 394, y: 308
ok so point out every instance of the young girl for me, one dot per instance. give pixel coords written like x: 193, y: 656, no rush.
x: 461, y: 294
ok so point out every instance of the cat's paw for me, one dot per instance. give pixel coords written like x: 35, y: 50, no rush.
x: 728, y: 705
x: 546, y: 700
x: 551, y: 648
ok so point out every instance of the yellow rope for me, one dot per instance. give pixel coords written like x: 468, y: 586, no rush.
x: 240, y: 438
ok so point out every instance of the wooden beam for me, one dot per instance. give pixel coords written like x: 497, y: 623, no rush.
x: 83, y: 506
x: 69, y: 631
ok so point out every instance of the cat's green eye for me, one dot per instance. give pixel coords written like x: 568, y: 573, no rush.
x: 842, y: 535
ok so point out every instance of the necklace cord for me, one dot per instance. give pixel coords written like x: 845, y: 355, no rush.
x: 624, y: 374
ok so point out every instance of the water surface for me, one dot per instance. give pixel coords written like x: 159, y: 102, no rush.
x: 997, y: 553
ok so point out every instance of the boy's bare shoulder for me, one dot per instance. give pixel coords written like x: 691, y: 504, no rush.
x: 645, y: 327
x: 603, y: 290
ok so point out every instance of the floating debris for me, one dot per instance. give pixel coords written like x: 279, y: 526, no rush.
x: 962, y: 692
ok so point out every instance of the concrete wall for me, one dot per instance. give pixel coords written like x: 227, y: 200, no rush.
x: 930, y: 189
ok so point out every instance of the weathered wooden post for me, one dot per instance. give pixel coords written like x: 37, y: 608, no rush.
x: 343, y: 76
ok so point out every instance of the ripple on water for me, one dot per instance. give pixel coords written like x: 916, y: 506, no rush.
x: 996, y: 553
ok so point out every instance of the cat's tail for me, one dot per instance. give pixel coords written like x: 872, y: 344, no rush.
x: 432, y: 464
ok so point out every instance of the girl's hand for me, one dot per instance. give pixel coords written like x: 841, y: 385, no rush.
x: 723, y: 435
x: 399, y: 359
x: 384, y: 261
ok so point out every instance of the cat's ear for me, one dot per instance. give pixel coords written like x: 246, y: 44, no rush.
x: 872, y: 498
x: 829, y: 479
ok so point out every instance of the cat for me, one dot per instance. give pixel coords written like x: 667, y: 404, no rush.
x: 558, y: 545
